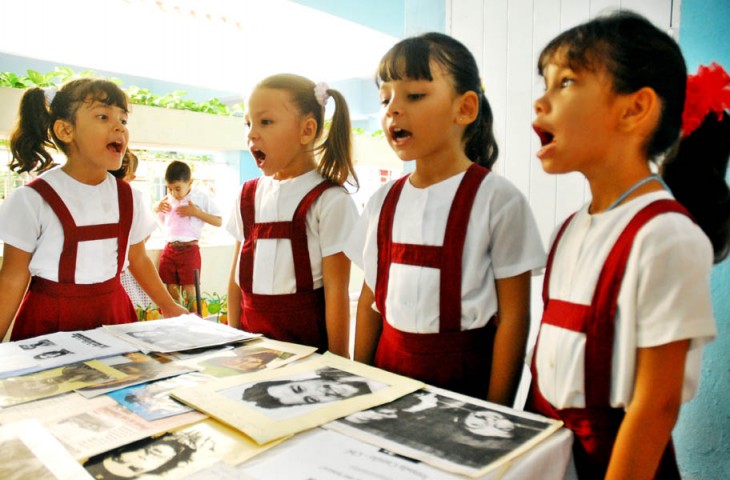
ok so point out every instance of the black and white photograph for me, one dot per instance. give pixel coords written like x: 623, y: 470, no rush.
x: 176, y: 454
x: 181, y: 333
x: 303, y: 393
x: 456, y: 433
x: 53, y: 350
x: 271, y: 404
x: 33, y: 344
x: 29, y: 452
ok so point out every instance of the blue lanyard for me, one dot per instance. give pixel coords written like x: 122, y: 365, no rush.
x: 634, y: 187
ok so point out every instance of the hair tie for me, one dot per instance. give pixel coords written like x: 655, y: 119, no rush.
x: 708, y: 90
x: 320, y: 93
x: 49, y: 93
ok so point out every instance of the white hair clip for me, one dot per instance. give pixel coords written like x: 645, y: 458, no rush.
x: 320, y: 93
x: 50, y: 94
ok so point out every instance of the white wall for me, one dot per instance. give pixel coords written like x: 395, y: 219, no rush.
x: 506, y: 37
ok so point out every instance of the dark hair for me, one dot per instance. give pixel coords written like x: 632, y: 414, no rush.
x: 33, y: 136
x: 259, y: 392
x: 411, y: 59
x: 336, y: 162
x: 703, y: 190
x: 178, y: 172
x: 637, y: 54
x: 265, y: 357
x: 183, y: 454
x: 130, y: 162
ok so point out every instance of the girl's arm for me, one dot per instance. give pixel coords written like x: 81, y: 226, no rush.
x: 367, y: 328
x: 647, y: 426
x: 145, y: 273
x: 234, y: 292
x: 336, y: 280
x: 14, y: 278
x: 513, y: 296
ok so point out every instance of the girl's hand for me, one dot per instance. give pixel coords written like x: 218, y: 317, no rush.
x: 174, y: 310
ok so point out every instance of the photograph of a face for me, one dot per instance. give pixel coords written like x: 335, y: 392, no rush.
x: 252, y: 357
x: 303, y: 393
x: 453, y: 432
x: 271, y: 404
x: 176, y: 454
x: 26, y: 388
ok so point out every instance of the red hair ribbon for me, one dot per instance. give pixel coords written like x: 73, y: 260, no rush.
x: 707, y: 91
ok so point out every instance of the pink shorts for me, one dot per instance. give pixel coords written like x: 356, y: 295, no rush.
x: 178, y: 262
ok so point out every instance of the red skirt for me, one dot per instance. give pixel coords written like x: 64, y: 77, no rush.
x: 50, y: 307
x: 296, y: 317
x: 457, y: 361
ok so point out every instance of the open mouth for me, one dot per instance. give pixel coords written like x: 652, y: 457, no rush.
x: 545, y: 136
x: 398, y: 134
x: 259, y: 156
x: 115, y: 147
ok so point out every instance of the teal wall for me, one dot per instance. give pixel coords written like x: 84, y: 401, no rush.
x: 702, y: 434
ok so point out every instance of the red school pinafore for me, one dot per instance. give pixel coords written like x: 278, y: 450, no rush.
x: 451, y: 358
x: 291, y: 317
x: 596, y: 425
x: 51, y: 306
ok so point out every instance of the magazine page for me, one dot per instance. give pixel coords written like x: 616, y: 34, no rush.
x: 47, y: 383
x: 57, y: 349
x: 177, y: 454
x: 185, y: 332
x: 139, y: 368
x: 271, y: 404
x: 452, y: 432
x: 152, y: 401
x: 29, y: 452
x: 254, y: 356
x: 88, y: 427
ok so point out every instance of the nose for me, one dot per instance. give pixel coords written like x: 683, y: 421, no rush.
x: 250, y: 133
x: 541, y: 105
x: 120, y: 126
x: 393, y: 108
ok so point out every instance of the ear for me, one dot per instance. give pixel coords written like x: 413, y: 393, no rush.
x: 640, y: 111
x: 308, y: 130
x: 63, y: 130
x: 468, y: 108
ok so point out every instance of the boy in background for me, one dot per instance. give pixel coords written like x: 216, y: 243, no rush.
x: 183, y: 212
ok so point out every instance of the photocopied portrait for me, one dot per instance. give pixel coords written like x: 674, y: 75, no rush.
x: 305, y: 391
x: 449, y: 431
x: 273, y: 403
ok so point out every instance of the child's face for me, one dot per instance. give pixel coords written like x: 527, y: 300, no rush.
x: 98, y: 137
x: 275, y: 130
x: 576, y: 119
x: 179, y: 189
x: 419, y: 117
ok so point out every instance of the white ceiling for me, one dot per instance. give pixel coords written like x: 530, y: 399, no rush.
x: 219, y: 44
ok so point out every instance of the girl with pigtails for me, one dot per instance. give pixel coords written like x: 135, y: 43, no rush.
x: 70, y: 232
x: 289, y: 279
x: 626, y: 290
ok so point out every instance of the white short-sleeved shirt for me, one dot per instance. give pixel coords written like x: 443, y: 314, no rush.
x: 502, y: 241
x: 664, y: 297
x: 329, y: 222
x: 28, y: 223
x: 186, y: 229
